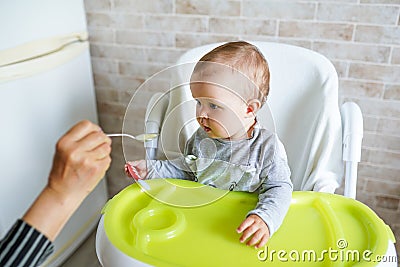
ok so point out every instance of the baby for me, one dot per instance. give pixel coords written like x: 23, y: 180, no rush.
x: 231, y: 150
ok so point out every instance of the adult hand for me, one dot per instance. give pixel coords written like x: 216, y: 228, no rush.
x: 81, y: 160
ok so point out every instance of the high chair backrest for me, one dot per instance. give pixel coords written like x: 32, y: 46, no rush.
x: 303, y: 100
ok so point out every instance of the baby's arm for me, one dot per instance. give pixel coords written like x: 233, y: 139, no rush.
x: 274, y: 199
x: 176, y: 168
x: 139, y: 165
x: 254, y: 226
x: 266, y: 218
x: 160, y: 169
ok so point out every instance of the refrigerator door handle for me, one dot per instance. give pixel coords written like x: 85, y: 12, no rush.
x: 39, y: 48
x: 39, y: 56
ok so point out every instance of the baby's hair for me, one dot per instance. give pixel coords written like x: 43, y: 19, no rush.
x: 245, y: 58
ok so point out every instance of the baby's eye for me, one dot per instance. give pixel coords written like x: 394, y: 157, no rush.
x: 198, y: 102
x: 213, y: 106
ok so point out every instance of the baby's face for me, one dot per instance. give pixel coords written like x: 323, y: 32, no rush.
x: 220, y: 112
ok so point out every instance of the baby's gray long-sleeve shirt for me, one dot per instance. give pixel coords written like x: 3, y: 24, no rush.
x: 257, y: 164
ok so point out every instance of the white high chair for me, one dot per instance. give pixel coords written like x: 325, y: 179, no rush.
x: 317, y: 136
x: 303, y: 100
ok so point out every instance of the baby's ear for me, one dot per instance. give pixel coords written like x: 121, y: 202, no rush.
x: 253, y: 106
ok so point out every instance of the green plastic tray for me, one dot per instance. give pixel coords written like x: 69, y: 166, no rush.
x: 182, y: 223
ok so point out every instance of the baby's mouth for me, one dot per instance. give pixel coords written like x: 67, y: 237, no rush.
x: 206, y: 129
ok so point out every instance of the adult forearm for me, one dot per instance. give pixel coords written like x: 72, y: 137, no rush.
x: 50, y: 212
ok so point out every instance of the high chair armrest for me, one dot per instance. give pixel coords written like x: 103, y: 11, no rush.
x: 154, y: 117
x: 352, y: 126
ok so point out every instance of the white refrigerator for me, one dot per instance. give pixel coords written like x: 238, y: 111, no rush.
x: 46, y: 86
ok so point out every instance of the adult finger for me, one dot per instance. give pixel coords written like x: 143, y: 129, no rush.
x: 81, y: 129
x: 101, y: 151
x: 93, y: 140
x: 104, y: 164
x: 100, y: 170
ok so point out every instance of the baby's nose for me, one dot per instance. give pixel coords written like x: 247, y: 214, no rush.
x: 201, y: 119
x: 203, y: 113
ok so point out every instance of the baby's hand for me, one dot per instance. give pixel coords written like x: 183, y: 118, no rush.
x: 256, y: 227
x: 139, y: 165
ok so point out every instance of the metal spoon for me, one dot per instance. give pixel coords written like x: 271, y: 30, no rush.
x: 141, y: 137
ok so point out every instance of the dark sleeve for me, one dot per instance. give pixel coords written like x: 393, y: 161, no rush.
x: 23, y: 245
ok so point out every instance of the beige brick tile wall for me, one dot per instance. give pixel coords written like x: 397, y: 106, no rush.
x: 176, y: 23
x: 341, y: 67
x: 242, y: 26
x: 102, y: 5
x: 383, y: 73
x: 107, y: 20
x: 378, y: 34
x: 316, y: 30
x: 133, y: 6
x: 188, y: 40
x: 370, y: 123
x: 382, y: 142
x: 389, y: 126
x: 381, y: 1
x: 147, y: 38
x: 116, y: 52
x: 133, y: 39
x: 284, y: 10
x: 371, y: 170
x: 392, y: 92
x: 354, y: 52
x: 369, y: 14
x: 356, y: 88
x: 208, y: 7
x: 396, y: 56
